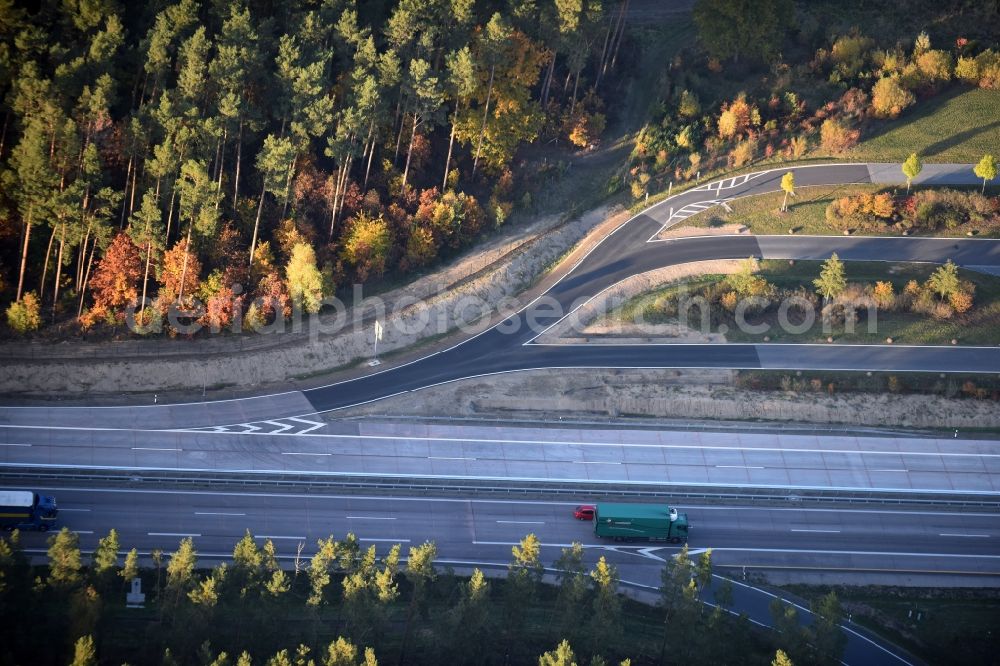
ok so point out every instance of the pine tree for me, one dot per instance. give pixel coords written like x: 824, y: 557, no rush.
x: 146, y: 230
x: 605, y: 622
x: 64, y: 559
x: 84, y: 653
x: 425, y: 99
x: 420, y: 572
x: 563, y: 655
x: 130, y: 569
x: 573, y: 590
x: 34, y: 184
x: 180, y: 569
x: 945, y: 281
x: 106, y: 556
x: 461, y: 85
x: 831, y: 281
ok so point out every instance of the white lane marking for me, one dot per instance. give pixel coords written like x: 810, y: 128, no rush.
x: 521, y: 522
x: 888, y: 470
x: 62, y: 508
x: 24, y: 445
x: 949, y: 534
x: 217, y: 513
x: 370, y: 518
x: 174, y: 534
x: 739, y: 467
x: 154, y: 448
x: 314, y: 424
x: 84, y: 531
x: 449, y: 458
x: 385, y: 540
x: 568, y: 442
x: 480, y: 477
x: 594, y: 462
x: 283, y: 426
x: 790, y: 551
x: 303, y: 453
x: 817, y: 531
x: 404, y: 498
x: 272, y: 536
x: 648, y: 552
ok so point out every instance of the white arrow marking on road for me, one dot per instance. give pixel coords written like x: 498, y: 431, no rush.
x: 283, y: 426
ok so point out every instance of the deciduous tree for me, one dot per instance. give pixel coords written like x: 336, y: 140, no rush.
x: 305, y: 284
x: 911, y: 169
x: 735, y: 28
x: 986, y: 169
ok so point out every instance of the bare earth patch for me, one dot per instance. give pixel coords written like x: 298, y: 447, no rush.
x: 686, y: 231
x: 673, y: 394
x: 500, y: 272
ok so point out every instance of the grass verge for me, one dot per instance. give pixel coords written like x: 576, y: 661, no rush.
x: 942, y: 626
x: 960, y: 125
x: 978, y: 326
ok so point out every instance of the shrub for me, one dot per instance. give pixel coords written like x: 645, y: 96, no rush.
x: 729, y: 300
x: 960, y: 301
x: 967, y: 71
x: 23, y: 315
x: 935, y: 65
x: 798, y: 146
x: 836, y: 136
x: 689, y: 106
x: 884, y: 295
x: 743, y: 153
x: 848, y: 54
x: 889, y: 98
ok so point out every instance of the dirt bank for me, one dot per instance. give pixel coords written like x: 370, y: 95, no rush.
x: 591, y: 321
x: 694, y: 394
x: 474, y: 288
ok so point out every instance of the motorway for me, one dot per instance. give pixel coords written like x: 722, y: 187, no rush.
x: 283, y: 434
x: 480, y: 532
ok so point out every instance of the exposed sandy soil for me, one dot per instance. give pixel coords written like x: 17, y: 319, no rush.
x: 464, y: 293
x: 683, y: 232
x: 694, y: 394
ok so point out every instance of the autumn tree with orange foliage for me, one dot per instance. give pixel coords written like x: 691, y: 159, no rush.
x: 172, y: 271
x: 116, y: 278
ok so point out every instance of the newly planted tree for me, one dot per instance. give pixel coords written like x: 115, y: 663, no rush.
x: 911, y: 169
x: 986, y: 169
x: 788, y: 186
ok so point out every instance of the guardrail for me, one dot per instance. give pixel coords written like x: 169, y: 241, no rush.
x: 574, y: 491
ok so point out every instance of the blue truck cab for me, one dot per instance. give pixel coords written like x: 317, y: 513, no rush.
x: 27, y: 510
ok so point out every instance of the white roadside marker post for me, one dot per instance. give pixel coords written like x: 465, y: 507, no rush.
x: 378, y: 336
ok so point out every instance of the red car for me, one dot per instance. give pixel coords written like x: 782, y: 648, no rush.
x: 584, y: 512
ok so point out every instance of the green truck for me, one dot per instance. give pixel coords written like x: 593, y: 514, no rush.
x: 640, y: 522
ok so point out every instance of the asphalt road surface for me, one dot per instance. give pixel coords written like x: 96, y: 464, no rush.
x: 470, y: 532
x: 629, y: 250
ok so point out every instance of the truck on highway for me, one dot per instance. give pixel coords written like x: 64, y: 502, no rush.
x: 27, y: 510
x: 640, y: 522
